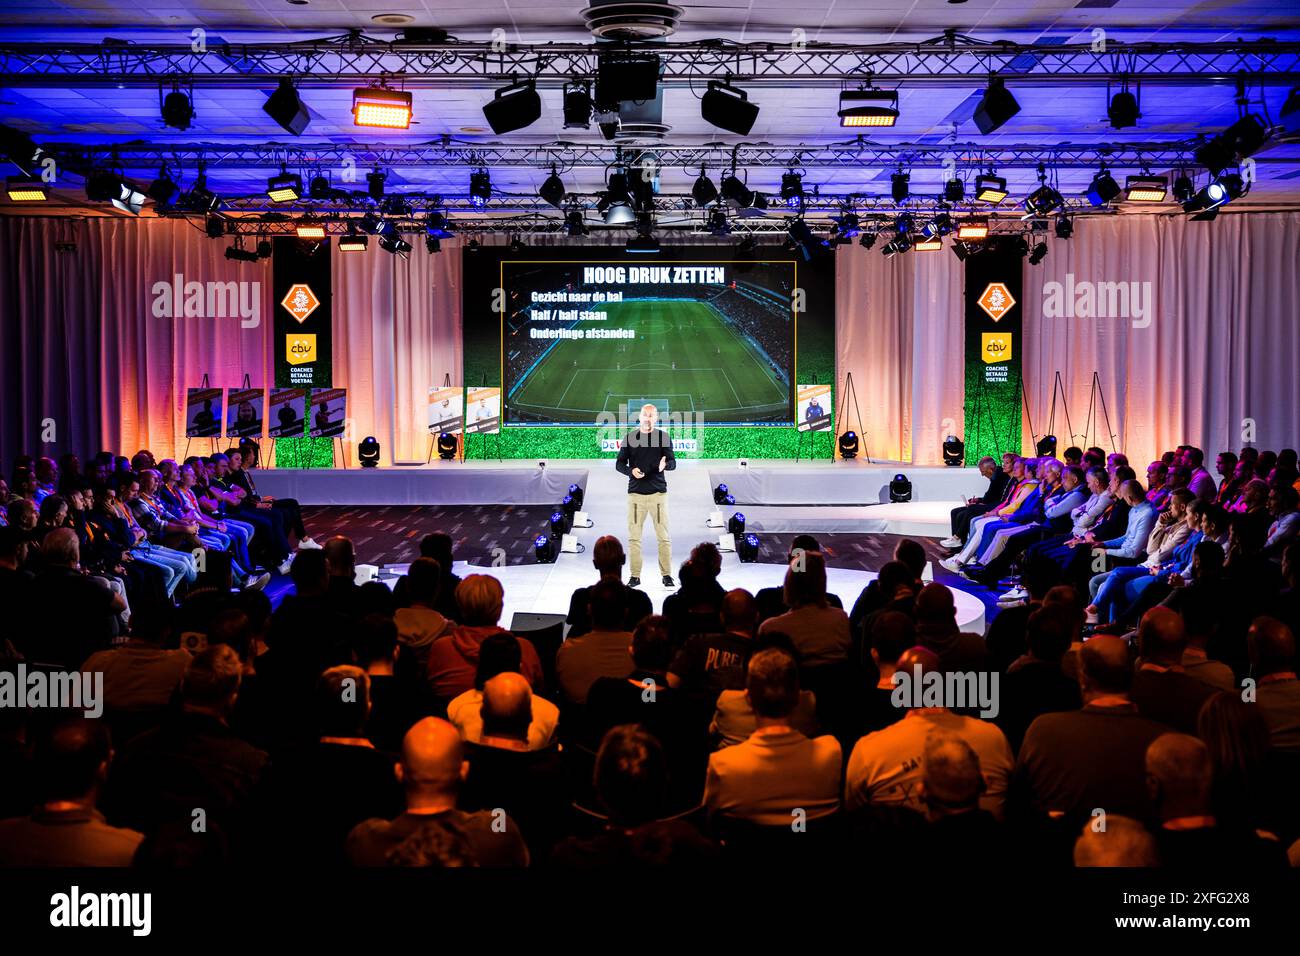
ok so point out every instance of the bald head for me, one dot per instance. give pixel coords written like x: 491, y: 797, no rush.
x: 1162, y: 637
x: 507, y: 708
x: 1179, y: 775
x: 432, y: 763
x: 1124, y: 842
x: 951, y: 775
x: 61, y: 547
x: 919, y: 657
x: 739, y: 611
x: 1271, y: 645
x: 1104, y: 667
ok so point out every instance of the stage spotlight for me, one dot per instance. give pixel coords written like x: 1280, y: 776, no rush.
x: 20, y: 150
x: 615, y: 206
x: 309, y: 228
x: 237, y: 252
x: 574, y: 226
x: 559, y: 524
x: 480, y: 187
x: 939, y: 226
x: 867, y: 240
x: 553, y: 190
x: 849, y: 445
x: 371, y: 223
x: 394, y: 244
x: 719, y: 224
x: 623, y: 76
x: 286, y: 187
x: 961, y: 250
x: 319, y: 187
x: 900, y: 489
x: 544, y: 549
x: 1184, y: 188
x: 368, y: 452
x: 747, y: 548
x: 214, y: 226
x: 954, y: 190
x: 736, y: 523
x: 264, y: 249
x: 746, y: 246
x: 28, y: 189
x: 578, y: 496
x: 287, y: 108
x: 108, y: 186
x: 1018, y: 245
x: 792, y: 189
x: 1064, y: 228
x: 990, y: 189
x: 928, y: 245
x: 1046, y: 446
x: 846, y: 226
x: 438, y: 226
x: 375, y: 184
x: 446, y: 446
x: 569, y: 505
x: 719, y: 494
x: 1043, y: 200
x: 1123, y: 110
x: 898, y: 187
x: 905, y: 223
x: 704, y: 192
x: 516, y: 245
x: 1038, y: 254
x: 513, y: 107
x: 728, y: 108
x: 954, y: 451
x: 1243, y: 138
x: 868, y: 108
x: 353, y: 241
x: 375, y: 106
x: 895, y: 246
x: 806, y: 241
x: 577, y: 105
x: 1103, y: 188
x: 163, y: 189
x: 177, y: 110
x: 995, y: 107
x: 1220, y: 191
x: 972, y: 229
x: 736, y: 192
x: 432, y: 245
x: 1146, y: 189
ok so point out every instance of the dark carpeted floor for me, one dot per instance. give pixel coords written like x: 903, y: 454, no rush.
x: 390, y: 534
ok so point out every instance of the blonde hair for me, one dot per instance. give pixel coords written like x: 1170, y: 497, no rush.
x: 480, y: 598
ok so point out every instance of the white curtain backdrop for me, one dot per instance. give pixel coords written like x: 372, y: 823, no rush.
x: 80, y: 345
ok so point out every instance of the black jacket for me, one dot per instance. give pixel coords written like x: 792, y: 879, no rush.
x: 644, y: 451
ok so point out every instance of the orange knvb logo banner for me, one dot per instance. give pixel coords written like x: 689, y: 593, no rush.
x: 996, y: 301
x: 995, y: 347
x: 300, y: 301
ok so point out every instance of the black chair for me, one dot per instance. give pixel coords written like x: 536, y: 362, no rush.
x: 815, y: 840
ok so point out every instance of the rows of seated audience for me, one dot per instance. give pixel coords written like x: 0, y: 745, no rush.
x: 1142, y: 672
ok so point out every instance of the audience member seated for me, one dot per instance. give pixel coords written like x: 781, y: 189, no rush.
x: 885, y: 766
x: 695, y: 607
x: 1162, y: 689
x: 1273, y: 658
x: 711, y: 663
x: 65, y: 828
x: 819, y: 631
x: 604, y: 651
x: 777, y: 774
x: 77, y: 612
x: 937, y: 630
x: 419, y: 622
x: 608, y: 559
x: 734, y: 719
x: 501, y: 654
x: 453, y: 659
x: 1035, y: 684
x: 432, y: 831
x: 1180, y: 777
x: 437, y: 546
x: 1073, y: 762
x: 771, y: 601
x: 631, y: 783
x: 1123, y: 842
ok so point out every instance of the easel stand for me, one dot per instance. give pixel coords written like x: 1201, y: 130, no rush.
x: 342, y: 452
x: 1058, y: 388
x: 847, y: 392
x: 1096, y: 411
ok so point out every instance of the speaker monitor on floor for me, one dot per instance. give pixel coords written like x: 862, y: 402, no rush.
x: 714, y: 520
x: 569, y: 544
x: 726, y: 543
x: 582, y: 520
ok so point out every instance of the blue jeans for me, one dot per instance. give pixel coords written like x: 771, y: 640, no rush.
x: 177, y: 566
x: 1118, y: 590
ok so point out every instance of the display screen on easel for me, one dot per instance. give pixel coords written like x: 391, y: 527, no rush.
x: 329, y: 412
x: 203, y: 412
x: 482, y: 411
x: 814, y: 408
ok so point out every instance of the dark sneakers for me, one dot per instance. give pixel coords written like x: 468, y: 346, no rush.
x: 634, y: 582
x: 668, y: 581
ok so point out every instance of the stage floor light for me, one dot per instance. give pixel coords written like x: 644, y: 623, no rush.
x: 900, y: 489
x: 954, y: 451
x: 747, y: 548
x: 544, y: 549
x: 849, y: 445
x: 368, y: 452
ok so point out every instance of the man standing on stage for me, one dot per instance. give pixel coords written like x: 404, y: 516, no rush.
x: 644, y: 457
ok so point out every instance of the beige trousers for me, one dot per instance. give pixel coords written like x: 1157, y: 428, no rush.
x: 656, y: 506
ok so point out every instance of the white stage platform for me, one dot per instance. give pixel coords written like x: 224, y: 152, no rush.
x: 855, y: 482
x: 927, y: 519
x: 546, y: 588
x: 468, y: 483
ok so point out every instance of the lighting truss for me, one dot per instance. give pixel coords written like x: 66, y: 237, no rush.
x: 356, y: 59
